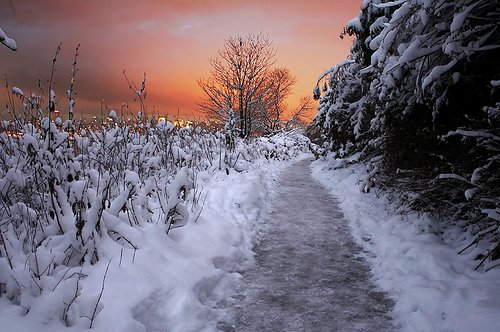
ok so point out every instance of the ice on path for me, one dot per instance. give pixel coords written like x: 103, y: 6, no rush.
x: 308, y: 274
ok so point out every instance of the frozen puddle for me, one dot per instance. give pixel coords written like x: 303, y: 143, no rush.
x: 308, y: 274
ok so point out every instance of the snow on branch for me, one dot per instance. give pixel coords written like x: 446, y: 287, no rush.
x: 390, y: 4
x: 332, y: 72
x: 436, y: 73
x: 17, y: 92
x: 459, y: 18
x: 334, y: 69
x: 7, y: 41
x: 492, y: 214
x: 452, y: 176
x: 354, y: 24
x: 472, y: 133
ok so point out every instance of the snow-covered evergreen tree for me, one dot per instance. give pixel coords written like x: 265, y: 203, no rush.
x: 420, y: 94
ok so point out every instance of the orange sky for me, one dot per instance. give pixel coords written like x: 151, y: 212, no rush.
x: 170, y: 40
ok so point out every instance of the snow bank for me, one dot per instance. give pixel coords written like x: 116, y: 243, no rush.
x: 172, y: 278
x: 434, y: 288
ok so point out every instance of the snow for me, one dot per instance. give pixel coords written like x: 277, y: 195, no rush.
x: 492, y: 213
x: 433, y: 287
x: 17, y: 91
x: 390, y: 4
x: 469, y: 193
x: 436, y: 73
x: 333, y: 71
x: 452, y: 176
x: 185, y: 279
x: 164, y: 282
x: 29, y: 140
x: 472, y: 133
x: 77, y: 190
x: 378, y: 24
x: 166, y: 126
x: 459, y: 18
x: 414, y: 51
x: 7, y: 41
x: 179, y: 154
x: 307, y: 274
x: 476, y: 175
x: 131, y: 177
x: 71, y: 105
x: 354, y: 24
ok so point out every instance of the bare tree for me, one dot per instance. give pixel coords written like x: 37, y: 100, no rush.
x: 300, y: 116
x: 237, y: 79
x: 278, y: 87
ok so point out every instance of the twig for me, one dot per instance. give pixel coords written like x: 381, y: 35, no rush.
x: 477, y: 237
x: 5, y: 248
x: 201, y: 210
x: 94, y: 313
x: 492, y: 267
x: 51, y: 99
x: 72, y: 82
x: 122, y: 237
x: 77, y: 293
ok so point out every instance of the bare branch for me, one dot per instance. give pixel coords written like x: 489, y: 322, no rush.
x: 238, y: 79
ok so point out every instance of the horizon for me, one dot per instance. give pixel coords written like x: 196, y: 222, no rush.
x: 169, y: 41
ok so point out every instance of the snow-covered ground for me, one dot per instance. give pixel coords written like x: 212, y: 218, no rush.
x: 176, y: 282
x: 167, y: 283
x: 433, y: 287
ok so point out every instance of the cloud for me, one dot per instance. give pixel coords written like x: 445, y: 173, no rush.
x: 170, y: 40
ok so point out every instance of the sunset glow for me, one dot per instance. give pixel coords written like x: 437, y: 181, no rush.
x: 169, y: 40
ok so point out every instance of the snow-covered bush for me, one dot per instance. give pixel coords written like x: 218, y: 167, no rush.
x: 61, y: 195
x: 418, y: 97
x: 66, y: 190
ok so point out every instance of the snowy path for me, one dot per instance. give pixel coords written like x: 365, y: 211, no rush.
x: 308, y: 275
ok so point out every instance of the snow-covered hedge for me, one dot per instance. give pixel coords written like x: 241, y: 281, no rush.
x: 62, y: 194
x: 419, y: 98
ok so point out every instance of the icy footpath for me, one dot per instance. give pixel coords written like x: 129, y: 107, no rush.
x: 307, y: 275
x: 433, y: 287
